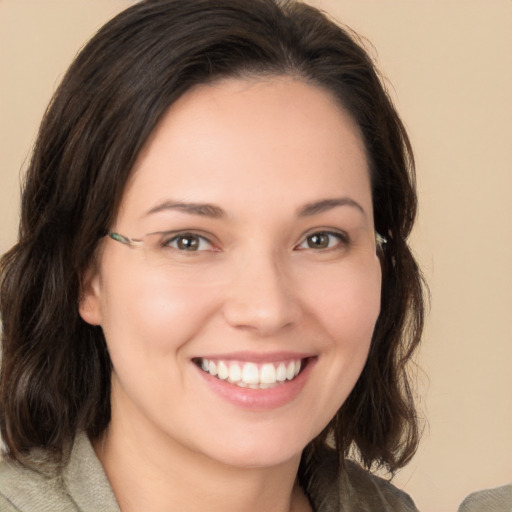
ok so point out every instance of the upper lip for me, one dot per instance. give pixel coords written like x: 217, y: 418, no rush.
x: 256, y: 357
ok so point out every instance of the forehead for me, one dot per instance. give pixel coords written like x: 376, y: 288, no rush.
x: 237, y: 142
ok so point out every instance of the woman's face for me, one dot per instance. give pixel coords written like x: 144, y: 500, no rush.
x: 269, y: 267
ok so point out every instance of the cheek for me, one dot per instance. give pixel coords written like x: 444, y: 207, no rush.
x: 152, y: 316
x: 348, y: 307
x: 346, y: 310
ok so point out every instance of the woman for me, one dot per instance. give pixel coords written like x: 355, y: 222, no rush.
x: 212, y: 302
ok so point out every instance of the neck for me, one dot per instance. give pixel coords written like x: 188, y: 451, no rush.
x: 156, y: 473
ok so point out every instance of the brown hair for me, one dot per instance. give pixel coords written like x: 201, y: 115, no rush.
x: 55, y: 374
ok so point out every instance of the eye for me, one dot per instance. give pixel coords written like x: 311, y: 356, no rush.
x: 323, y: 240
x: 189, y: 242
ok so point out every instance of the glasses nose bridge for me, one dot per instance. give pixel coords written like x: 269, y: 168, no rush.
x: 262, y: 294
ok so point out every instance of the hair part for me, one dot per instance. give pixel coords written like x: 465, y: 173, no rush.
x: 55, y: 373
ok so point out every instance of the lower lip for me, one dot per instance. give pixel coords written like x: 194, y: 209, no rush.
x: 259, y: 399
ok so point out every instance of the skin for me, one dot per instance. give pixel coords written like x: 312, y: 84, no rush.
x: 261, y: 150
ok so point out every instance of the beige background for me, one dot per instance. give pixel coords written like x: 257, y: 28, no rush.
x: 449, y: 66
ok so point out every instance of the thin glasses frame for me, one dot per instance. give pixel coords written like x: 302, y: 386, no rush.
x: 134, y: 243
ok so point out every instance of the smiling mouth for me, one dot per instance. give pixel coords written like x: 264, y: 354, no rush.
x: 252, y: 375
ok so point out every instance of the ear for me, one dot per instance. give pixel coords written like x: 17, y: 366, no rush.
x: 89, y: 305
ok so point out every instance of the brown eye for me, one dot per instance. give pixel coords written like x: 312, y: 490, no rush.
x: 318, y: 241
x: 322, y: 240
x: 189, y: 242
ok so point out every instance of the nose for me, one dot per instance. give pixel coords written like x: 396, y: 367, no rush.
x: 262, y: 297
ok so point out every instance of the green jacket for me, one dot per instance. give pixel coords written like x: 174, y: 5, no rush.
x: 82, y: 486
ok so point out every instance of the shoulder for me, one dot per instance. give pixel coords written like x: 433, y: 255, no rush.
x: 353, y: 489
x: 375, y: 492
x: 78, y: 486
x: 497, y: 499
x: 25, y: 490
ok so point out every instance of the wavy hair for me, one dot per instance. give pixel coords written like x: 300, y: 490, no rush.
x: 56, y: 370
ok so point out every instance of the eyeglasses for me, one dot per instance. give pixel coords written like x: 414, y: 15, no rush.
x: 183, y: 241
x: 197, y: 260
x: 195, y: 242
x: 381, y: 240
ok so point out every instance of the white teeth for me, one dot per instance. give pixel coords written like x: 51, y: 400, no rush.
x: 222, y: 370
x: 212, y: 368
x: 235, y: 373
x: 290, y: 370
x: 250, y: 375
x: 268, y: 374
x: 281, y: 372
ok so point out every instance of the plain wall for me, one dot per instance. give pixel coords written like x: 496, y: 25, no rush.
x: 449, y: 72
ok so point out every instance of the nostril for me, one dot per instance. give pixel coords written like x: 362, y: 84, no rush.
x: 263, y: 315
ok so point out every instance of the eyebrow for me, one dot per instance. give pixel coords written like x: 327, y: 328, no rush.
x: 202, y: 209
x: 324, y: 205
x: 216, y: 212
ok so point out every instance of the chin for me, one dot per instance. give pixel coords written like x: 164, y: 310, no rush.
x: 259, y: 458
x: 257, y: 450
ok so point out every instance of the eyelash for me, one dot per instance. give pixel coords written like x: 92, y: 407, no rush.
x: 176, y: 237
x: 342, y: 241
